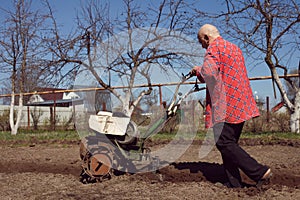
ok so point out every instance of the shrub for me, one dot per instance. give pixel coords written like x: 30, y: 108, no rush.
x: 4, y: 120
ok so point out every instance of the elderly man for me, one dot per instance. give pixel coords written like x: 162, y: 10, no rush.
x: 229, y: 103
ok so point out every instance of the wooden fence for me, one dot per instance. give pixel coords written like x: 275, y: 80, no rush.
x: 65, y: 112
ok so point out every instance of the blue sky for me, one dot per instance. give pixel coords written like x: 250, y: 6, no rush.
x: 65, y: 12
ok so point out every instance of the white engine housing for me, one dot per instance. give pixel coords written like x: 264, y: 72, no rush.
x: 104, y: 122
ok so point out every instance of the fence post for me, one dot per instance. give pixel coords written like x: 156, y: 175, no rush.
x: 160, y: 95
x: 54, y: 111
x: 268, y: 109
x: 28, y: 118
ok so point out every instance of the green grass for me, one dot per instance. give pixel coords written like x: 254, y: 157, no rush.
x: 73, y: 135
x: 274, y: 135
x: 40, y: 135
x: 263, y: 136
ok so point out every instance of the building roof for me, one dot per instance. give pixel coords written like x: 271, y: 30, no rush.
x: 57, y: 103
x: 53, y: 98
x: 50, y: 96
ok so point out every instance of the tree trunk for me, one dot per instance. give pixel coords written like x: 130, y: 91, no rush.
x: 11, y: 115
x: 294, y: 108
x: 295, y: 115
x: 15, y: 126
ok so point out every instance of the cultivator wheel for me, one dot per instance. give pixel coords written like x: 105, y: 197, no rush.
x: 100, y: 164
x: 97, y: 160
x: 101, y: 159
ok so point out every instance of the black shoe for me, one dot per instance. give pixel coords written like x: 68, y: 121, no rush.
x: 265, y: 179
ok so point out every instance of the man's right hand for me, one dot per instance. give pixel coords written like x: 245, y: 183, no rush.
x: 196, y: 72
x: 193, y: 72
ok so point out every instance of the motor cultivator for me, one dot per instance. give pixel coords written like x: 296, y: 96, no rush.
x: 117, y: 146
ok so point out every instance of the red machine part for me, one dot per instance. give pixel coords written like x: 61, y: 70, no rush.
x: 100, y: 164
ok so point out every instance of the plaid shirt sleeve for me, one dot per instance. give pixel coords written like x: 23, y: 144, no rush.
x: 229, y: 96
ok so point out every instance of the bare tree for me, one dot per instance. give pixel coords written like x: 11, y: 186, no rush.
x: 21, y: 52
x: 127, y: 47
x: 36, y: 115
x: 269, y: 31
x: 291, y: 93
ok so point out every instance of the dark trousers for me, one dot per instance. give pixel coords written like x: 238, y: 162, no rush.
x: 234, y: 157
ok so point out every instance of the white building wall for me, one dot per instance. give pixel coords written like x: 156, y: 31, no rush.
x: 63, y: 114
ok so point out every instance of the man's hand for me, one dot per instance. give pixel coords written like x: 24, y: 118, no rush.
x: 196, y: 72
x: 193, y: 72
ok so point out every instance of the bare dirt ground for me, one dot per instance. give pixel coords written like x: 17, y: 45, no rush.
x: 51, y: 171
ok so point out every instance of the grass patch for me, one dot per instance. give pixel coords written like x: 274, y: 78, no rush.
x: 38, y: 135
x: 263, y: 136
x: 274, y: 135
x: 24, y: 135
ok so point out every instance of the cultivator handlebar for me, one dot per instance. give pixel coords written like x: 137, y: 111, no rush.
x: 174, y: 105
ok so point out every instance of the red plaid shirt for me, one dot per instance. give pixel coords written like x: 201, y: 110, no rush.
x: 229, y: 96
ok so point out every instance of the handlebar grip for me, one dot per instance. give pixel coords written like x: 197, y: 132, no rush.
x: 187, y: 76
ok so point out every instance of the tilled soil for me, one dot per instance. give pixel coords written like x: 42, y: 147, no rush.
x: 51, y: 171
